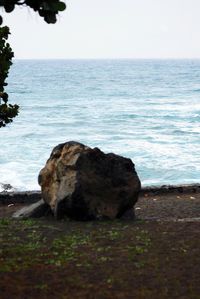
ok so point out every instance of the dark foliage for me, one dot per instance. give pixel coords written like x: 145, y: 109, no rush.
x: 7, y: 111
x: 47, y: 9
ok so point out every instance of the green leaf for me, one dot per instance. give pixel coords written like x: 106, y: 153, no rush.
x: 56, y: 6
x: 61, y: 6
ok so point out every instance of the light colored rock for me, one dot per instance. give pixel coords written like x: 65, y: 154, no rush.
x: 35, y: 210
x: 84, y: 183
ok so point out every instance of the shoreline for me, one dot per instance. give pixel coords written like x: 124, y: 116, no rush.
x: 7, y: 197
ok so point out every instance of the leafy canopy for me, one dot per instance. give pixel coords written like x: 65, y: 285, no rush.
x: 49, y: 10
x: 7, y: 111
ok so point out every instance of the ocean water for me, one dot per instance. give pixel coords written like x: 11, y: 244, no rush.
x: 147, y: 110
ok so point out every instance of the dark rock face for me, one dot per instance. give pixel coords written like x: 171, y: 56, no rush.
x: 84, y: 183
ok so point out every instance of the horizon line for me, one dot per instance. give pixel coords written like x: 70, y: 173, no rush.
x: 122, y: 58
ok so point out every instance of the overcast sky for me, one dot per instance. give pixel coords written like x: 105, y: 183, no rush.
x: 110, y: 29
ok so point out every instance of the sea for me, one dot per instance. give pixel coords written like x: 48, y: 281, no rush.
x: 146, y: 110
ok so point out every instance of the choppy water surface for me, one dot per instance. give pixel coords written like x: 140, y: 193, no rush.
x: 148, y: 110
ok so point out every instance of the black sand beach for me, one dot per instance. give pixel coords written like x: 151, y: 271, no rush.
x: 164, y: 202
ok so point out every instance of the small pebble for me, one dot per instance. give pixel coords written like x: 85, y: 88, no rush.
x: 10, y: 205
x: 191, y: 197
x: 155, y: 199
x: 138, y: 208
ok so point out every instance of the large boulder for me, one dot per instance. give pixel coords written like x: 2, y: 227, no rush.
x: 84, y: 183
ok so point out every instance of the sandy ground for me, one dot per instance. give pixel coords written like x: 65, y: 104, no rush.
x: 168, y: 207
x: 155, y: 207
